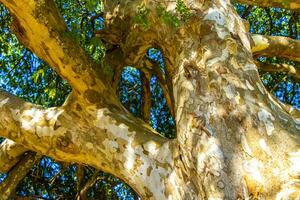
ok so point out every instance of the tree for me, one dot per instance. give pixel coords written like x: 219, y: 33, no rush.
x: 233, y: 138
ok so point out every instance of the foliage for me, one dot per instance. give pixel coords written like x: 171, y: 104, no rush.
x: 167, y: 17
x: 174, y: 19
x: 183, y: 10
x: 141, y: 16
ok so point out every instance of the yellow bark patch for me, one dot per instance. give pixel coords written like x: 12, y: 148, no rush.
x: 255, y: 189
x: 260, y: 43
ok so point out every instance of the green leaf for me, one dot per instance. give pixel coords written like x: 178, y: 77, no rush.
x: 167, y: 17
x: 141, y: 17
x: 52, y: 93
x: 91, y: 5
x: 40, y: 73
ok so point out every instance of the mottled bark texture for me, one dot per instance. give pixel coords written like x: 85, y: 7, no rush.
x: 276, y: 46
x: 289, y: 69
x: 234, y: 140
x: 10, y: 154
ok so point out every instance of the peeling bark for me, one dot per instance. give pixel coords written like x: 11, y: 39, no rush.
x: 116, y: 142
x: 234, y: 140
x: 276, y: 46
x: 10, y: 155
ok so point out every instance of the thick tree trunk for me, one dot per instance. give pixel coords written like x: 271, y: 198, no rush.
x: 234, y: 140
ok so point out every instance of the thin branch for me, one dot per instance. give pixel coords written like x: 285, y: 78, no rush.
x: 80, y: 176
x: 270, y: 20
x: 247, y: 12
x: 165, y: 83
x: 293, y: 25
x: 64, y: 167
x: 291, y: 4
x: 90, y: 183
x: 115, y: 60
x: 289, y: 69
x: 146, y: 95
x: 276, y: 46
x: 10, y: 154
x: 8, y: 187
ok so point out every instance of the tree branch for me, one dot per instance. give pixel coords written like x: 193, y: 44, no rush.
x: 247, y: 12
x: 90, y: 183
x: 291, y: 4
x: 111, y: 140
x: 79, y: 176
x: 276, y: 46
x: 8, y: 187
x: 115, y: 59
x: 40, y: 27
x: 289, y: 69
x: 146, y: 95
x: 21, y: 118
x: 93, y: 129
x: 10, y: 155
x: 165, y: 83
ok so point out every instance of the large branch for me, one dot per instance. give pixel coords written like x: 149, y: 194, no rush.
x: 286, y: 4
x: 10, y: 155
x: 290, y: 69
x: 276, y: 46
x: 97, y: 132
x: 39, y: 26
x: 105, y: 137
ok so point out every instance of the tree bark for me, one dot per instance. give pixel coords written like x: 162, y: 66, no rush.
x: 10, y: 154
x: 146, y: 96
x: 289, y: 69
x: 9, y: 185
x: 290, y: 4
x: 276, y: 46
x: 234, y: 140
x: 86, y: 187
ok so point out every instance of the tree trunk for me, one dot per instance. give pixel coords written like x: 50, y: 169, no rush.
x: 234, y: 140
